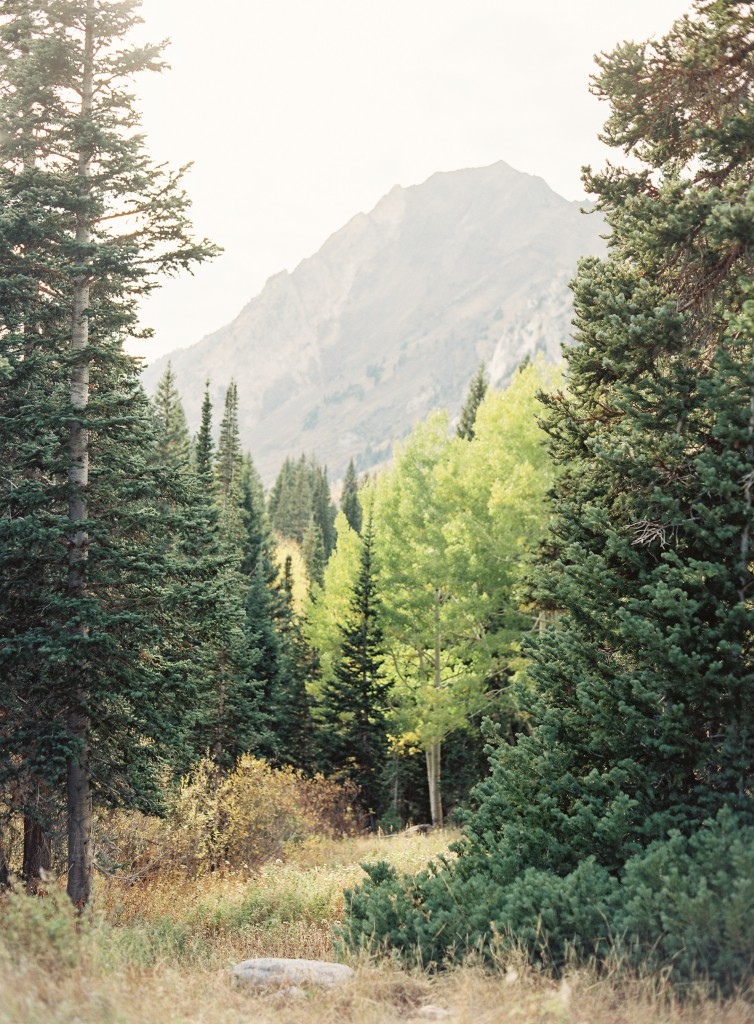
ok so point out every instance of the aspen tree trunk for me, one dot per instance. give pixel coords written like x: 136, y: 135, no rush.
x: 79, y: 792
x: 433, y: 754
x: 434, y: 751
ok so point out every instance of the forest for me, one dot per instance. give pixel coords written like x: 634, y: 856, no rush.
x: 534, y: 625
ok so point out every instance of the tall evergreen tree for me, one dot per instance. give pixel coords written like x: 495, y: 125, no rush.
x: 643, y: 699
x: 313, y: 550
x: 173, y: 442
x: 204, y: 447
x: 350, y: 505
x: 477, y: 390
x: 355, y: 703
x: 229, y: 457
x: 71, y: 164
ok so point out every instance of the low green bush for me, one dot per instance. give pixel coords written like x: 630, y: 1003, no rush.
x: 685, y: 906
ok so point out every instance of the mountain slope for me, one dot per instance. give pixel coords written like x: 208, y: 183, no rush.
x: 392, y: 316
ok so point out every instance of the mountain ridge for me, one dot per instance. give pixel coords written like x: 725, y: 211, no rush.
x: 392, y: 315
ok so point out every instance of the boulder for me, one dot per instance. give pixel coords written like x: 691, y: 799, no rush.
x: 280, y: 971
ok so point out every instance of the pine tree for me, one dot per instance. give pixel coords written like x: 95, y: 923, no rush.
x: 204, y: 447
x: 474, y: 398
x: 355, y: 703
x: 173, y: 442
x: 643, y: 698
x: 229, y: 458
x: 350, y: 505
x: 300, y: 496
x: 313, y: 550
x: 71, y: 164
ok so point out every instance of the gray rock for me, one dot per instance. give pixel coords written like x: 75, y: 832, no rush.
x: 279, y: 972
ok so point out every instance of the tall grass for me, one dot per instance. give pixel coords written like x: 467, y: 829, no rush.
x: 158, y: 952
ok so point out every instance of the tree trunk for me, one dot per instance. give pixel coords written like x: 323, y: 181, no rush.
x: 4, y: 872
x: 434, y: 751
x: 433, y: 756
x: 78, y: 780
x: 37, y: 853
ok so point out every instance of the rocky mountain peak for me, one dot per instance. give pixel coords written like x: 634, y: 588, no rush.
x: 391, y: 317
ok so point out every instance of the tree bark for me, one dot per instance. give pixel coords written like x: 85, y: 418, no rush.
x: 433, y: 756
x: 4, y: 872
x: 37, y: 853
x: 78, y: 777
x: 434, y: 751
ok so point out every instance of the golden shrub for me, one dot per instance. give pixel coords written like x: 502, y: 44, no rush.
x: 235, y: 821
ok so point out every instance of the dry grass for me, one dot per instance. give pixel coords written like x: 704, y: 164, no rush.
x: 168, y: 995
x: 159, y: 954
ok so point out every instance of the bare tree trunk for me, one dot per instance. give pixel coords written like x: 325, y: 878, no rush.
x: 37, y: 853
x: 78, y: 778
x: 4, y: 872
x: 434, y: 751
x: 433, y: 756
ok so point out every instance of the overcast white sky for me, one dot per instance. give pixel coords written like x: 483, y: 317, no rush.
x: 298, y: 114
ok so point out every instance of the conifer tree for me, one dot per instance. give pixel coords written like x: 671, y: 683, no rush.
x: 229, y: 458
x: 643, y: 699
x: 204, y: 447
x: 71, y: 164
x: 474, y: 398
x: 173, y: 442
x: 355, y: 703
x: 300, y: 496
x: 313, y: 550
x: 350, y: 505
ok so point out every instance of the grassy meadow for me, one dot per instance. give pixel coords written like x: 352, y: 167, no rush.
x: 159, y: 952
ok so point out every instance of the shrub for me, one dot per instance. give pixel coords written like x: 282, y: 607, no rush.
x: 46, y: 931
x: 687, y: 904
x: 684, y: 906
x: 236, y: 821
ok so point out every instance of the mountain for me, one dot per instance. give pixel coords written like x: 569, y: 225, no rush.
x: 393, y: 315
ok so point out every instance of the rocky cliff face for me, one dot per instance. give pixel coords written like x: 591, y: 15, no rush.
x: 392, y: 316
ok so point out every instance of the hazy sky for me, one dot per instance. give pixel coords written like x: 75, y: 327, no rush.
x: 298, y: 114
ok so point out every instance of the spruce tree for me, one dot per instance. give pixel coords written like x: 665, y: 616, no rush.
x: 71, y: 164
x: 313, y: 550
x: 204, y: 446
x: 643, y: 692
x: 229, y: 457
x: 477, y: 391
x: 354, y: 704
x: 350, y: 505
x: 173, y: 442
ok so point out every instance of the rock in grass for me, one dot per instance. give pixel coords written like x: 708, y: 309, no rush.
x: 432, y: 1013
x: 278, y: 971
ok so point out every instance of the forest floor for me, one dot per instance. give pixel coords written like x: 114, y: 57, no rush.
x: 160, y: 953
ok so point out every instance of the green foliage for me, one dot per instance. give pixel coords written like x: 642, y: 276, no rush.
x: 328, y: 604
x: 683, y: 906
x: 477, y: 390
x: 313, y: 552
x: 229, y: 457
x: 204, y: 447
x: 173, y: 444
x: 688, y: 903
x: 455, y: 520
x: 284, y: 730
x: 350, y: 505
x: 627, y: 814
x: 300, y: 503
x: 353, y: 706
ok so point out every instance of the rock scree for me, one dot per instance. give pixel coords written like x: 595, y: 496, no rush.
x: 265, y: 972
